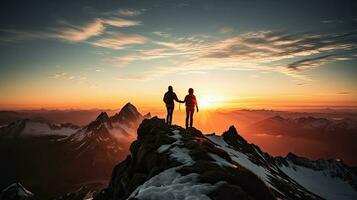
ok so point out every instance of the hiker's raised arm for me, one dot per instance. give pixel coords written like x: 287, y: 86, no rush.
x: 178, y: 100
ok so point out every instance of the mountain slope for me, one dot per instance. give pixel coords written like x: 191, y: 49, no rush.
x: 169, y: 162
x: 45, y: 153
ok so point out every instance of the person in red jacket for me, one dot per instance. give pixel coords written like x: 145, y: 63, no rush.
x: 169, y: 98
x: 191, y: 103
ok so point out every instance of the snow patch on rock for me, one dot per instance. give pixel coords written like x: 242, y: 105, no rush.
x: 320, y: 183
x: 169, y: 184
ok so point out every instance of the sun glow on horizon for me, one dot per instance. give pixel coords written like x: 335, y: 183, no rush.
x: 207, y: 102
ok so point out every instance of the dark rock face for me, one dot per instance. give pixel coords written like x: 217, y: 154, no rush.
x: 16, y: 192
x: 232, y: 137
x: 161, y: 148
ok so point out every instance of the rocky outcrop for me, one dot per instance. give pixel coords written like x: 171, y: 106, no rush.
x: 182, y: 162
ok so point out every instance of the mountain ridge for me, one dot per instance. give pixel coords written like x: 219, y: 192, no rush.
x: 169, y: 154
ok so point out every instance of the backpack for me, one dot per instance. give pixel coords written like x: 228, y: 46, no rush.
x: 190, y: 100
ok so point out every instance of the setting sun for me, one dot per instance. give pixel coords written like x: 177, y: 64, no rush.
x: 207, y: 102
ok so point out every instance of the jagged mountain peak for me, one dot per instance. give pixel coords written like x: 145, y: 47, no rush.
x: 232, y: 136
x: 102, y: 120
x: 103, y: 117
x: 128, y: 112
x: 130, y: 108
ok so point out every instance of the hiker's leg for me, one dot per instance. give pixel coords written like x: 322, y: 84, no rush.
x: 167, y: 115
x: 171, y: 112
x: 191, y: 117
x: 187, y: 115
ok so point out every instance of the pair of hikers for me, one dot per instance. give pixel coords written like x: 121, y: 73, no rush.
x: 190, y: 102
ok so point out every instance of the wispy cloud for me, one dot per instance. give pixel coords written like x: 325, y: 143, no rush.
x: 59, y: 75
x: 263, y: 51
x: 117, y: 40
x: 310, y: 63
x: 96, y: 27
x: 122, y: 12
x: 120, y: 22
x: 75, y: 33
x: 129, y: 12
x: 79, y: 33
x: 268, y: 46
x: 343, y: 93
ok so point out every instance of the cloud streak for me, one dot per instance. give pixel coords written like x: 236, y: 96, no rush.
x: 75, y: 33
x: 118, y: 40
x: 263, y: 51
x: 79, y: 33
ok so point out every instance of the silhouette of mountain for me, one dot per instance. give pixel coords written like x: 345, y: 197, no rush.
x: 39, y: 154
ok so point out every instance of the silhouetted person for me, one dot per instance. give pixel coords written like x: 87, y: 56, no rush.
x: 191, y: 103
x: 169, y: 98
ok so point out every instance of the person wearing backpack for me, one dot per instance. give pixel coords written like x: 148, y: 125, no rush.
x: 169, y: 98
x: 191, y: 103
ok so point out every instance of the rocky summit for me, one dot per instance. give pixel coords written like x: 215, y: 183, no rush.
x: 170, y: 162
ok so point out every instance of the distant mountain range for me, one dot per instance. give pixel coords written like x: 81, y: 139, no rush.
x: 39, y: 154
x: 303, y: 126
x: 77, y: 117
